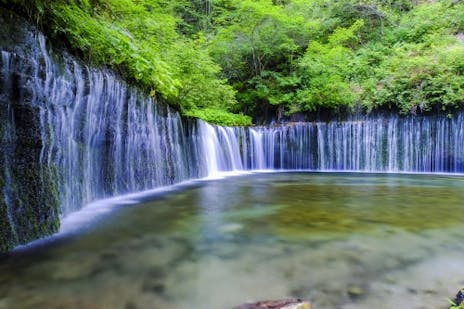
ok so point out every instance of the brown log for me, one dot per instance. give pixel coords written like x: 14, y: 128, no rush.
x: 294, y: 303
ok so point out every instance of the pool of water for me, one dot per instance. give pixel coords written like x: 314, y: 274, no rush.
x: 340, y: 240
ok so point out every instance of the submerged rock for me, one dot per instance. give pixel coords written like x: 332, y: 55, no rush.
x: 355, y: 291
x: 277, y: 304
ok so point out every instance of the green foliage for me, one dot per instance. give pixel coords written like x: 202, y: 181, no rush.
x: 139, y: 39
x: 200, y: 86
x: 270, y: 58
x: 256, y: 45
x: 415, y: 79
x: 125, y: 37
x: 325, y: 71
x: 220, y: 117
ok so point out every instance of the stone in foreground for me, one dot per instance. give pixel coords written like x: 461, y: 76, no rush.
x: 277, y: 304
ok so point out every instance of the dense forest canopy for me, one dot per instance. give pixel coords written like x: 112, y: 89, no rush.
x: 227, y: 61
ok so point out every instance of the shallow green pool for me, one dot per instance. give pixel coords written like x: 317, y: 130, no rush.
x: 339, y: 240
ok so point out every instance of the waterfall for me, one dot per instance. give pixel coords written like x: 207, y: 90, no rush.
x: 366, y: 143
x: 257, y: 149
x: 106, y: 138
x: 99, y: 137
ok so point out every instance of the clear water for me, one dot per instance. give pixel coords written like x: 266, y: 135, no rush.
x: 340, y: 240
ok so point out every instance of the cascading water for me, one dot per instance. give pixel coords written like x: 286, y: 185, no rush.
x: 373, y: 144
x: 364, y: 143
x: 101, y: 138
x: 106, y: 138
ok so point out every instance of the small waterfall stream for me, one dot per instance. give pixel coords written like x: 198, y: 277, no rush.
x: 101, y: 137
x: 431, y: 144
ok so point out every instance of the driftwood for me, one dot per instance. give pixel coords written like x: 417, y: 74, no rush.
x: 294, y: 303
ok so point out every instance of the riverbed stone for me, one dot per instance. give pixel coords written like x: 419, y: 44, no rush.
x: 355, y: 291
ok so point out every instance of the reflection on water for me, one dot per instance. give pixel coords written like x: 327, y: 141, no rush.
x: 340, y: 240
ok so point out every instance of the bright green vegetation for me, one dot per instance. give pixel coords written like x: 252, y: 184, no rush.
x: 308, y: 55
x: 454, y: 306
x: 140, y: 41
x: 216, y: 58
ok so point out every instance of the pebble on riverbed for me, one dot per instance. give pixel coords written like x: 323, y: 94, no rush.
x: 277, y: 304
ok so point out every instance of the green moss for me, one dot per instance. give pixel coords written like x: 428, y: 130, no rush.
x: 33, y: 195
x: 220, y: 117
x: 35, y: 203
x: 7, y: 239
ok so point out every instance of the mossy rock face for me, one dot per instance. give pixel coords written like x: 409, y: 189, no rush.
x: 33, y: 199
x: 15, y: 31
x: 29, y: 204
x: 34, y: 202
x: 7, y: 237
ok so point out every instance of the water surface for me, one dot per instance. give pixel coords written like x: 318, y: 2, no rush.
x: 340, y: 240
